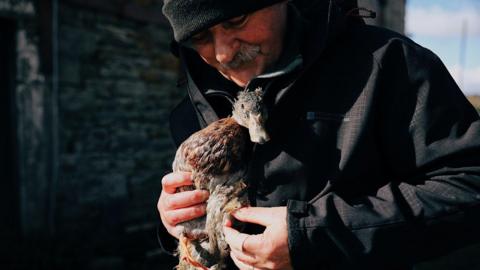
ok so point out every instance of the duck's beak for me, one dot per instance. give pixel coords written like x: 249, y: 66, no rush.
x: 256, y: 129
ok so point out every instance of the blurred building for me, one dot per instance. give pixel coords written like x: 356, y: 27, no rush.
x: 87, y: 87
x: 86, y: 90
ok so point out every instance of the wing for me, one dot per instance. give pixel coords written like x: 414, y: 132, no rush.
x: 218, y: 149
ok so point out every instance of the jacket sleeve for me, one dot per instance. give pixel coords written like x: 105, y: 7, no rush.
x: 430, y: 138
x: 168, y: 244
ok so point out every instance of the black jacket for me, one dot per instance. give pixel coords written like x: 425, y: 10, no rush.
x: 375, y: 151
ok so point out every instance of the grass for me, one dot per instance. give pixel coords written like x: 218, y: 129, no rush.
x: 475, y: 100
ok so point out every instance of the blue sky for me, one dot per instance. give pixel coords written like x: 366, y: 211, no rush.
x: 437, y: 25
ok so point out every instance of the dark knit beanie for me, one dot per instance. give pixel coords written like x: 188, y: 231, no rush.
x: 189, y: 17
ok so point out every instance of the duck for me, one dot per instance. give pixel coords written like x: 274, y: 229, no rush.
x: 217, y: 157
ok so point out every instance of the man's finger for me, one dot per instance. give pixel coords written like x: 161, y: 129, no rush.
x: 253, y: 244
x: 234, y: 238
x: 246, y: 243
x: 172, y: 181
x: 243, y: 257
x: 258, y: 215
x: 185, y: 199
x: 241, y: 265
x: 176, y: 231
x: 174, y: 217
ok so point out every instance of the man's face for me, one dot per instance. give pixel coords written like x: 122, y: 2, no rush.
x: 243, y: 47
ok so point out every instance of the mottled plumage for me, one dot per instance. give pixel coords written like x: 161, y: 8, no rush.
x: 217, y: 156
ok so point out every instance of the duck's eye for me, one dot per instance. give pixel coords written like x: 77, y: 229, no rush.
x: 236, y: 22
x: 242, y: 106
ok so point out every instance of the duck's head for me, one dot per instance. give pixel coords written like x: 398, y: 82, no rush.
x: 250, y: 112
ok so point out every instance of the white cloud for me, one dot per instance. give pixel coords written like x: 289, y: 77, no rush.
x: 471, y: 79
x: 435, y: 21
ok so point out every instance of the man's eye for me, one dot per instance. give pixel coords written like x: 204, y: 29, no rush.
x: 236, y: 22
x: 200, y: 38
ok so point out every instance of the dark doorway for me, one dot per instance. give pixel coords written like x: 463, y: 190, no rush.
x: 9, y: 187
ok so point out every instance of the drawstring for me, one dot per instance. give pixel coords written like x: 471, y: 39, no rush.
x: 355, y: 12
x: 219, y: 93
x: 352, y: 9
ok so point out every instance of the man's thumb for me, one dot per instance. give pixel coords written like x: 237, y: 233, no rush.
x: 258, y: 215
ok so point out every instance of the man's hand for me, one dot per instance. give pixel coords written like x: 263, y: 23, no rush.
x: 178, y: 207
x: 268, y: 250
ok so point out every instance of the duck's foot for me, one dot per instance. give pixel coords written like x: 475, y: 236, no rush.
x: 185, y: 255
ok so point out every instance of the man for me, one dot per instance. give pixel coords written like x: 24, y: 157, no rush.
x: 374, y: 158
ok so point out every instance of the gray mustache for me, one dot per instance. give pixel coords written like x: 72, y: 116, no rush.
x: 245, y: 54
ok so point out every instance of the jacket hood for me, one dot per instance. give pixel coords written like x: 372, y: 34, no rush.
x: 324, y: 21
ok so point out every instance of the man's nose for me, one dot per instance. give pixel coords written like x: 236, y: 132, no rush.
x: 226, y: 48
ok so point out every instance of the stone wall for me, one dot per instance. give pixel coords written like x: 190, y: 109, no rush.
x: 93, y: 139
x: 116, y: 88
